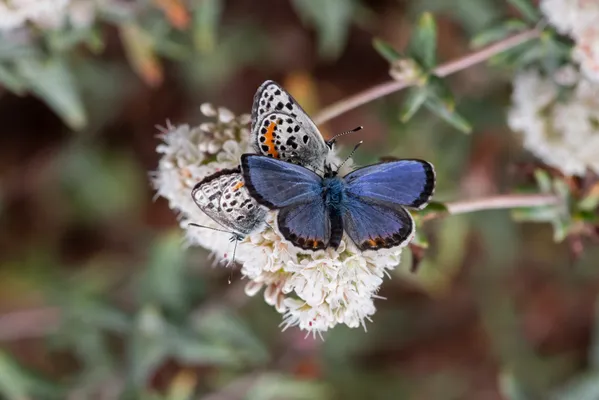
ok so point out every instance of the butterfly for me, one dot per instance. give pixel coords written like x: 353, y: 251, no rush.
x: 281, y: 129
x: 224, y: 198
x: 369, y: 204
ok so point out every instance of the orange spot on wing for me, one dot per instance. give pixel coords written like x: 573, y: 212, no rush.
x: 371, y: 242
x: 238, y: 186
x: 270, y: 140
x: 316, y: 244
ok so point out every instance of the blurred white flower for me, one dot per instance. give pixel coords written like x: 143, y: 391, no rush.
x: 558, y: 124
x: 51, y: 14
x: 314, y: 290
x: 579, y: 19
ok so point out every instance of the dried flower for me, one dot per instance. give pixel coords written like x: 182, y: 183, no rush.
x: 558, y: 124
x: 407, y: 70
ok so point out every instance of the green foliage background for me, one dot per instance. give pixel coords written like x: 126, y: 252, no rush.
x: 99, y: 298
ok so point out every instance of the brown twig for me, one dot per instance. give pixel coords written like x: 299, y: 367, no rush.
x: 29, y: 324
x: 383, y: 89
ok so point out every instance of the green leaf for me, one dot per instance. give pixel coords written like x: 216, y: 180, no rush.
x: 543, y: 180
x: 331, y: 19
x: 11, y: 80
x: 278, y: 386
x: 385, y: 50
x: 207, y: 14
x: 165, y: 278
x: 511, y: 389
x: 561, y: 228
x: 52, y: 81
x: 590, y: 202
x: 192, y: 350
x: 13, y: 50
x: 497, y: 33
x: 414, y: 100
x: 17, y: 383
x: 423, y: 43
x: 67, y: 39
x: 148, y: 348
x: 437, y: 207
x: 433, y: 207
x: 222, y: 326
x: 438, y: 89
x: 527, y: 9
x: 448, y: 114
x: 582, y: 387
x: 534, y: 214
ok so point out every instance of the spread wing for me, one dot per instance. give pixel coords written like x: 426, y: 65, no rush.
x: 409, y: 183
x: 308, y: 226
x: 296, y: 191
x: 374, y: 226
x: 277, y: 184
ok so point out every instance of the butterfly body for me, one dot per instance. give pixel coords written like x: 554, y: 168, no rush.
x: 368, y: 203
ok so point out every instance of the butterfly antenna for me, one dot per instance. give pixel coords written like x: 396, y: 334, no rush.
x: 332, y: 141
x: 350, y: 155
x: 232, y: 262
x: 207, y: 227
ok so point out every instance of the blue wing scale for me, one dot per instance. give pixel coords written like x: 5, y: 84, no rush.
x: 277, y: 184
x: 409, y: 183
x: 373, y: 226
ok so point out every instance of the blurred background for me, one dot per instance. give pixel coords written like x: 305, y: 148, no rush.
x: 100, y: 300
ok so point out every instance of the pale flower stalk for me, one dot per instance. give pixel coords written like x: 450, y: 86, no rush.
x: 313, y: 290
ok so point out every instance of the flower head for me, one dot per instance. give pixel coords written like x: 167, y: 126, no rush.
x: 191, y: 154
x: 578, y: 19
x: 313, y: 290
x: 558, y: 124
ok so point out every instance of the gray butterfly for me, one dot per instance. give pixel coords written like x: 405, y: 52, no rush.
x: 281, y: 129
x: 224, y: 198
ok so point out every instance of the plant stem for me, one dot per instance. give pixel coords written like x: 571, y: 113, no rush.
x: 506, y: 201
x: 383, y: 89
x: 502, y: 202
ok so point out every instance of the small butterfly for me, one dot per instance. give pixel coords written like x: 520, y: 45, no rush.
x: 224, y: 198
x: 281, y: 129
x: 368, y: 203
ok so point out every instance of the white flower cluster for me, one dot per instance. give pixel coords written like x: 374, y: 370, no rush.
x: 191, y: 154
x: 314, y: 290
x: 48, y: 14
x: 580, y: 20
x: 559, y: 124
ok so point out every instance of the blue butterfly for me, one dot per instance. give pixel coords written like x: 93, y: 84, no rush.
x: 368, y: 203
